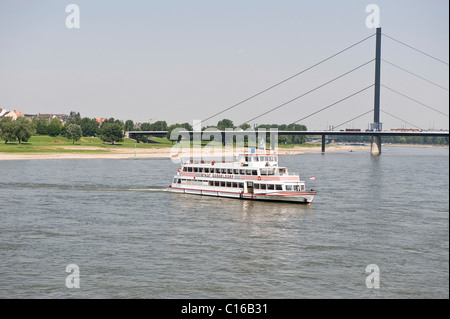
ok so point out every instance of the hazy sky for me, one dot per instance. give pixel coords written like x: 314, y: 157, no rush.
x: 184, y: 60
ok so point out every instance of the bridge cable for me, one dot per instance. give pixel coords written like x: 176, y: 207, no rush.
x: 289, y: 78
x: 401, y: 120
x: 333, y: 104
x: 414, y: 100
x: 429, y: 55
x: 310, y: 91
x: 355, y: 118
x: 420, y: 77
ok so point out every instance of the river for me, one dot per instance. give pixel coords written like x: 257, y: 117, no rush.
x: 130, y: 239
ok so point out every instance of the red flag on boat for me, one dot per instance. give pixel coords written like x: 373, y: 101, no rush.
x: 312, y: 177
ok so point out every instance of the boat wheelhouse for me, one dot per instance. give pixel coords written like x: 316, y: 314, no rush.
x: 247, y: 176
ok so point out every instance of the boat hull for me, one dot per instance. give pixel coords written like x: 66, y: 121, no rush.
x: 298, y: 197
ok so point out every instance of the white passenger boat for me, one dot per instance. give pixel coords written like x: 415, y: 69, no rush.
x: 248, y: 176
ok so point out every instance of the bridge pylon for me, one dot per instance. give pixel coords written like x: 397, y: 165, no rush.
x: 375, y: 148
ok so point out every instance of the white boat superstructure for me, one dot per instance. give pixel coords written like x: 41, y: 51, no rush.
x: 247, y: 176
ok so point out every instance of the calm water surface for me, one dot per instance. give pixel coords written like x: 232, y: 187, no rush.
x: 130, y: 239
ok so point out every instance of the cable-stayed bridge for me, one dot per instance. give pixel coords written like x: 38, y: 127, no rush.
x: 376, y: 132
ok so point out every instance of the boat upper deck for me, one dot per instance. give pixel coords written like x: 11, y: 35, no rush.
x: 245, y: 160
x: 241, y: 165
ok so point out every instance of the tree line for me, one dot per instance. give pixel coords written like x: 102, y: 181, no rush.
x: 111, y: 130
x: 431, y: 140
x: 20, y: 130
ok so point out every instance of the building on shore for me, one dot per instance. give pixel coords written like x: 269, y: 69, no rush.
x: 13, y: 114
x: 3, y: 112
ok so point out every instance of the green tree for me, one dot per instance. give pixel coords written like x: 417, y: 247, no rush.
x: 54, y: 128
x: 23, y: 129
x: 159, y: 126
x: 7, y: 130
x: 224, y: 124
x: 111, y: 133
x: 245, y: 126
x: 146, y: 127
x: 185, y: 126
x: 41, y: 126
x: 89, y: 126
x: 74, y: 132
x: 129, y: 125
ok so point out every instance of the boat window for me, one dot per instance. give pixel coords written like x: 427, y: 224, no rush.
x: 189, y: 169
x: 236, y: 172
x: 279, y: 187
x: 246, y: 158
x: 296, y: 188
x: 211, y: 183
x: 229, y: 171
x: 288, y: 187
x: 228, y: 184
x: 263, y: 186
x: 249, y: 172
x: 242, y: 171
x: 302, y: 187
x: 222, y: 184
x: 256, y: 186
x: 174, y: 180
x: 183, y: 181
x: 184, y: 169
x: 241, y: 185
x: 217, y: 183
x: 250, y: 184
x: 256, y: 159
x: 270, y: 187
x: 255, y: 173
x: 195, y: 169
x: 217, y: 170
x: 235, y: 185
x: 206, y: 169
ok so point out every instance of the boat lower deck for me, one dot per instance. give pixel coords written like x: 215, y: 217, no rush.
x: 293, y: 197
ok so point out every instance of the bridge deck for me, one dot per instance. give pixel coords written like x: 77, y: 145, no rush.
x: 310, y: 133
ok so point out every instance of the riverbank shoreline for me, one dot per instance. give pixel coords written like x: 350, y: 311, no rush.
x: 165, y: 152
x: 127, y: 153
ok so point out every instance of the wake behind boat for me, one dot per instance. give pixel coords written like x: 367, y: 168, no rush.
x: 254, y: 176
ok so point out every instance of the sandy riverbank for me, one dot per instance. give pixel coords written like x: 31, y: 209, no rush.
x: 127, y: 153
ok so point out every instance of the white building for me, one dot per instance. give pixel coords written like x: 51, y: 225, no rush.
x: 3, y: 112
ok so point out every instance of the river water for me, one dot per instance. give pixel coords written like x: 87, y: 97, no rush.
x: 130, y: 239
